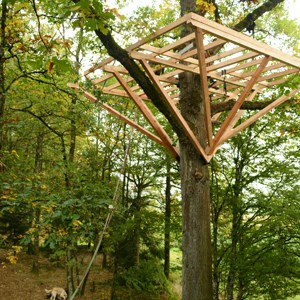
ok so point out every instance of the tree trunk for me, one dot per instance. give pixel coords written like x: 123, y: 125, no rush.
x: 232, y: 264
x: 197, y: 268
x: 137, y: 229
x: 215, y: 257
x: 38, y: 167
x: 167, y: 221
x: 36, y: 242
x: 70, y: 277
x: 73, y: 129
x: 2, y: 75
x: 195, y: 186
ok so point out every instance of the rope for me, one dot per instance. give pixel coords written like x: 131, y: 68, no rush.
x: 224, y: 82
x: 108, y: 219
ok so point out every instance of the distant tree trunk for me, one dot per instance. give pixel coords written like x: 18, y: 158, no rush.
x: 82, y: 290
x: 215, y: 256
x: 36, y: 242
x: 73, y: 130
x: 2, y: 75
x: 240, y: 295
x: 232, y: 258
x: 66, y: 162
x: 167, y: 221
x: 137, y: 229
x: 236, y: 222
x: 216, y: 209
x: 37, y: 211
x: 70, y: 275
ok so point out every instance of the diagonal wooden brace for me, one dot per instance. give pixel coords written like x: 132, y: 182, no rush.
x: 239, y: 103
x: 191, y: 136
x: 167, y: 142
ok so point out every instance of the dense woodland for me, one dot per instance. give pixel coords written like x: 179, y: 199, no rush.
x: 65, y: 164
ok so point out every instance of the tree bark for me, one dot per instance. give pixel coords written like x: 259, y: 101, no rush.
x: 195, y: 189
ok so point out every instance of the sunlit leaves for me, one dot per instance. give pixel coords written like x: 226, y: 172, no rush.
x: 91, y: 15
x: 205, y: 6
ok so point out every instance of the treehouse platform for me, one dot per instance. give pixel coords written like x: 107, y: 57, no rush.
x: 237, y: 74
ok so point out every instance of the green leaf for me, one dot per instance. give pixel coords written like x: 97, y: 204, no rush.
x: 75, y: 8
x: 62, y: 65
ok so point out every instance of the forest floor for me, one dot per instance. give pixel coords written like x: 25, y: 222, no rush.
x: 17, y: 282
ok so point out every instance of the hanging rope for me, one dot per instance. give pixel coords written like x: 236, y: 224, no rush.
x: 108, y: 218
x: 224, y: 81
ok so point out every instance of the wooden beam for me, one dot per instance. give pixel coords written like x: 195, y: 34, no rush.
x: 148, y: 115
x: 232, y: 61
x: 170, y: 56
x: 121, y: 93
x: 241, y: 39
x: 130, y: 122
x: 235, y: 119
x: 191, y: 136
x: 216, y: 43
x: 278, y: 74
x: 239, y: 102
x: 235, y: 50
x: 238, y: 67
x: 204, y: 84
x: 262, y: 112
x: 166, y: 62
x: 138, y: 44
x: 170, y: 46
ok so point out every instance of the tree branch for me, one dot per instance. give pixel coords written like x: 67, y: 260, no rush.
x: 249, y: 105
x: 258, y: 12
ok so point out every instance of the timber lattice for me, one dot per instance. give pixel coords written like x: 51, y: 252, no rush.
x: 243, y: 69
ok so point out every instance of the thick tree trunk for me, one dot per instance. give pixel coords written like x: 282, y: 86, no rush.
x: 195, y: 185
x: 197, y: 268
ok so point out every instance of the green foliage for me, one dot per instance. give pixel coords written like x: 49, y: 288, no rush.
x: 255, y: 205
x: 93, y: 15
x: 148, y: 277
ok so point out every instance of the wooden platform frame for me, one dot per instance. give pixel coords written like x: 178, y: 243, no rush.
x: 243, y: 70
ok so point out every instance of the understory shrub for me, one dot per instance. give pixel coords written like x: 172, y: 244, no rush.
x: 148, y: 276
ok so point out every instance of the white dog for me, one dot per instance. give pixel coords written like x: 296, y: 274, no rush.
x: 56, y: 293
